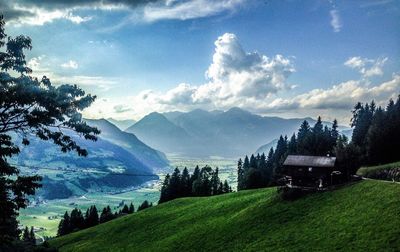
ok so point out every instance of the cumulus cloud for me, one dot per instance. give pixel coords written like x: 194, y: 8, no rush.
x: 367, y: 67
x: 339, y: 97
x: 234, y: 77
x: 70, y: 64
x: 336, y: 22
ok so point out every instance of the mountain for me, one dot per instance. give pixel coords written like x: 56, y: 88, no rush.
x: 114, y: 154
x: 266, y: 147
x: 200, y: 133
x: 157, y: 131
x: 122, y: 124
x: 357, y: 217
x: 107, y: 167
x: 152, y: 158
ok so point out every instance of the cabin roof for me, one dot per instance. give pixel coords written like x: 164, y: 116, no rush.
x: 310, y: 161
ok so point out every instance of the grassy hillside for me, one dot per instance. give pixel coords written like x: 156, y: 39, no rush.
x: 361, y: 217
x: 389, y: 171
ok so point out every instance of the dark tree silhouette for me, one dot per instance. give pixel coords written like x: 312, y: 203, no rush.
x: 31, y: 107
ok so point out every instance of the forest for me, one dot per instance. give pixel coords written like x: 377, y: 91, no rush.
x: 375, y: 140
x: 203, y: 182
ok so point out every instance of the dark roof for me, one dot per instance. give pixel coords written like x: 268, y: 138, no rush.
x: 311, y: 161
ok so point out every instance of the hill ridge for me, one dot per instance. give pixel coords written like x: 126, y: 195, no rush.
x: 360, y: 217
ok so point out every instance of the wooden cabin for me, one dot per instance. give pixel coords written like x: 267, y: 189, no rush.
x: 310, y: 172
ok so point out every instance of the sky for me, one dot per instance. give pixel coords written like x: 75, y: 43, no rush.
x: 286, y: 58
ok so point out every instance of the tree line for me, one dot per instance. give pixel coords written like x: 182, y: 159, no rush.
x: 202, y: 182
x: 262, y: 171
x: 376, y: 136
x: 77, y: 220
x: 375, y: 140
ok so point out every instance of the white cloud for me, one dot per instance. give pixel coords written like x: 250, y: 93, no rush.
x: 367, y: 67
x: 183, y: 10
x: 38, y: 13
x: 40, y: 16
x: 336, y: 22
x: 335, y: 101
x: 70, y: 64
x: 257, y: 83
x: 233, y: 78
x: 41, y: 66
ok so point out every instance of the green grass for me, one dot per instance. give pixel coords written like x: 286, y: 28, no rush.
x: 359, y: 217
x: 46, y: 217
x: 370, y: 171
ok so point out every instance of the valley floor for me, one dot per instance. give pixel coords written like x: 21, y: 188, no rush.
x: 360, y: 217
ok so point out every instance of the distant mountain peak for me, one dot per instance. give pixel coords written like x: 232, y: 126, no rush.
x: 237, y: 110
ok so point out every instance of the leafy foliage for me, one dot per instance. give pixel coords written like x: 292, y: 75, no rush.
x: 31, y: 107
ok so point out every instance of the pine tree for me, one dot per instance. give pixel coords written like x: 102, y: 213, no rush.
x: 334, y: 133
x: 144, y: 205
x: 175, y: 184
x: 25, y: 235
x: 64, y: 227
x: 91, y: 217
x: 280, y: 155
x: 125, y: 209
x: 303, y: 138
x: 214, y: 182
x: 32, y: 238
x: 131, y: 208
x: 225, y: 188
x: 240, y: 174
x: 186, y: 188
x: 246, y: 164
x: 77, y: 221
x: 165, y: 190
x: 253, y: 162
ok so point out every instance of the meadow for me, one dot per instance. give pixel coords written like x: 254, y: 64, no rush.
x: 45, y: 215
x: 357, y: 217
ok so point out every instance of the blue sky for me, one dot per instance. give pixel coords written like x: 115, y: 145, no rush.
x: 287, y: 58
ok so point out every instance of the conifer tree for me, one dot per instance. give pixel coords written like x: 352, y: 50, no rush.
x: 214, y: 182
x: 165, y: 190
x: 226, y: 188
x: 64, y: 227
x: 240, y: 174
x: 125, y: 209
x: 25, y: 235
x: 175, y: 184
x: 186, y: 188
x: 253, y: 162
x: 32, y: 238
x: 144, y: 205
x: 131, y: 208
x: 106, y: 215
x: 246, y: 164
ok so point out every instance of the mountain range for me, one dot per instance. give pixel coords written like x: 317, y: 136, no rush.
x: 200, y: 133
x: 121, y: 124
x: 115, y: 153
